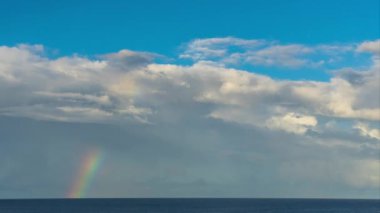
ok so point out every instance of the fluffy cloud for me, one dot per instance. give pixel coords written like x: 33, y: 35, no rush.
x: 128, y: 85
x: 68, y: 88
x: 292, y: 122
x: 366, y: 131
x: 208, y: 104
x: 370, y: 46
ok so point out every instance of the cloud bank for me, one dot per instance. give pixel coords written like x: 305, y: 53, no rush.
x: 129, y: 88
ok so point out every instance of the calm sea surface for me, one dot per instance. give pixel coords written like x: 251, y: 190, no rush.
x: 188, y: 206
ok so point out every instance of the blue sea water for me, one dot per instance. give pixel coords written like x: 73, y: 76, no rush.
x: 189, y: 206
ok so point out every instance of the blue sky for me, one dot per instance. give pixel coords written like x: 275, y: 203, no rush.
x: 96, y: 27
x: 190, y: 98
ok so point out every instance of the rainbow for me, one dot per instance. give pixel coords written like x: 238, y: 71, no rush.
x: 88, y: 168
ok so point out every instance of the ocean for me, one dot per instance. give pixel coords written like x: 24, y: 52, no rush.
x: 207, y: 205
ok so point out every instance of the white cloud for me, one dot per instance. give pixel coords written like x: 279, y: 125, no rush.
x: 231, y: 50
x: 200, y: 49
x: 65, y: 89
x: 366, y: 131
x: 279, y: 55
x: 292, y: 122
x: 233, y: 114
x: 129, y: 83
x: 370, y: 46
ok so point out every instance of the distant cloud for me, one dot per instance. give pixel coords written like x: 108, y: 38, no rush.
x: 230, y: 50
x: 73, y: 86
x: 233, y: 115
x: 366, y: 131
x: 370, y: 46
x: 125, y: 60
x: 202, y: 49
x: 279, y: 55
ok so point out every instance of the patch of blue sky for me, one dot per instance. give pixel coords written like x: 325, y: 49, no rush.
x: 96, y: 27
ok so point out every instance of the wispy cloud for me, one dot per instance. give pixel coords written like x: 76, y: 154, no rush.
x: 262, y: 52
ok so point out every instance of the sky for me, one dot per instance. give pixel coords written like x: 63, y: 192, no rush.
x: 238, y: 98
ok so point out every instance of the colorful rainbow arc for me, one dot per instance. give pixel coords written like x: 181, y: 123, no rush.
x: 86, y: 173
